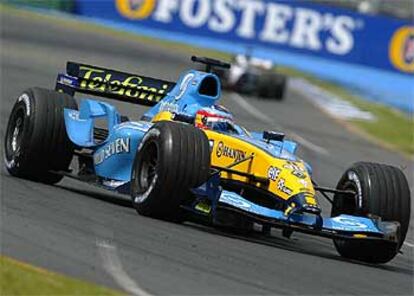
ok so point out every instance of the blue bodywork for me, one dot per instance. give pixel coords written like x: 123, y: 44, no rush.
x: 114, y: 156
x: 186, y: 98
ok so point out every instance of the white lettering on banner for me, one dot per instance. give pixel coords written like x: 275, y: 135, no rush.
x: 305, y: 33
x: 270, y: 22
x: 275, y: 24
x: 250, y: 10
x: 195, y: 15
x: 342, y: 40
x: 224, y: 19
x: 165, y: 10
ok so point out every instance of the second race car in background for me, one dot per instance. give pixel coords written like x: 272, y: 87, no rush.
x: 188, y: 159
x: 253, y: 76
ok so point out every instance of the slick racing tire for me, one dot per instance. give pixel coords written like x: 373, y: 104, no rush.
x: 223, y: 76
x: 36, y: 141
x: 171, y: 159
x: 382, y: 191
x: 247, y: 84
x: 272, y: 86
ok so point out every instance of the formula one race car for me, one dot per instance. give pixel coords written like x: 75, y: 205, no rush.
x: 187, y: 159
x: 253, y: 76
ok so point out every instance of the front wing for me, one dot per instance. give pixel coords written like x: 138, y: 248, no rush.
x: 342, y: 226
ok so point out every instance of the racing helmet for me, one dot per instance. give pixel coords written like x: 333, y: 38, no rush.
x: 215, y: 118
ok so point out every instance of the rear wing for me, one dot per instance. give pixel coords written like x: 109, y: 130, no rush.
x: 112, y: 84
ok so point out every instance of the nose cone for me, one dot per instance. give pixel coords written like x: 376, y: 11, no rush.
x: 303, y: 202
x: 291, y: 179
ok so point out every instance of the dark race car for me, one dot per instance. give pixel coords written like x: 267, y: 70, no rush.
x: 253, y: 76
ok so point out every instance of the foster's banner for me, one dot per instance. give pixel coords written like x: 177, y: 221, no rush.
x: 294, y: 26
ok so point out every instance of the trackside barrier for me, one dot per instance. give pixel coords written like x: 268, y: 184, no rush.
x: 294, y: 26
x: 370, y: 54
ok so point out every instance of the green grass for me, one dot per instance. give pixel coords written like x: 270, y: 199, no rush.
x: 392, y: 128
x: 17, y: 278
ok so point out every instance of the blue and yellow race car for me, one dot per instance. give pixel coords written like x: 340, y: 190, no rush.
x: 187, y: 158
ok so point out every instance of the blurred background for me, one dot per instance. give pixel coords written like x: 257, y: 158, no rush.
x: 402, y: 9
x: 371, y: 40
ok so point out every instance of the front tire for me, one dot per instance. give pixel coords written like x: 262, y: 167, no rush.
x: 36, y: 141
x: 383, y: 191
x: 171, y: 159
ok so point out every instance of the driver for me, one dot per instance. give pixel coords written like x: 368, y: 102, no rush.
x: 215, y: 118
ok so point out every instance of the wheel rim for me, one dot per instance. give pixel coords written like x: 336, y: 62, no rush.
x: 147, y: 168
x: 15, y: 133
x: 346, y: 204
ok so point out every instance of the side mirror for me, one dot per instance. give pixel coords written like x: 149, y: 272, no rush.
x: 273, y: 136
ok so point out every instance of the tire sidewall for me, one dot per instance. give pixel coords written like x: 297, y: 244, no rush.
x: 375, y: 197
x: 352, y: 180
x: 140, y: 199
x: 44, y: 145
x: 183, y: 162
x: 24, y: 103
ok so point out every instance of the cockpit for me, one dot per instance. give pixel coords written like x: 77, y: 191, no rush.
x: 218, y: 118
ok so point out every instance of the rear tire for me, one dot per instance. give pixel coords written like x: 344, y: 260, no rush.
x: 272, y: 86
x: 36, y: 141
x: 247, y: 84
x: 383, y: 191
x: 171, y: 159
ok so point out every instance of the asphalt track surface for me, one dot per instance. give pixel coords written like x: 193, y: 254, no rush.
x: 90, y: 234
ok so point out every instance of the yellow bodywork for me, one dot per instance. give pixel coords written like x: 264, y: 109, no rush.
x: 284, y: 184
x: 163, y: 116
x: 286, y: 178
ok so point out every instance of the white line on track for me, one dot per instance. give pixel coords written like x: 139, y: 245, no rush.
x: 252, y: 110
x: 409, y: 244
x: 113, y: 266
